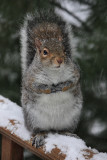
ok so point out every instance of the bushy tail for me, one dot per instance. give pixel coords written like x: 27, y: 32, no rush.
x: 24, y: 41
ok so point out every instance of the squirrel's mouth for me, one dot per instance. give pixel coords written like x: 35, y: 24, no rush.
x: 57, y: 66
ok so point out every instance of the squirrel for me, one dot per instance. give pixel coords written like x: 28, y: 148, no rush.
x: 51, y: 92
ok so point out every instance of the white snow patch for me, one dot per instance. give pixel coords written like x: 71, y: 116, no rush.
x: 73, y: 148
x: 100, y: 156
x: 11, y: 111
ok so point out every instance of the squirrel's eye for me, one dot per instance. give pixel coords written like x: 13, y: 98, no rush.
x: 45, y: 52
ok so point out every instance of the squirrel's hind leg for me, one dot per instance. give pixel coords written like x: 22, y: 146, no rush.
x: 38, y: 139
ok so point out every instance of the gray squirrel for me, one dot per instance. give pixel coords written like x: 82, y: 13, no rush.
x: 51, y: 93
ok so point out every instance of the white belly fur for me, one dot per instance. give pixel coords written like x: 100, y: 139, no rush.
x: 55, y: 111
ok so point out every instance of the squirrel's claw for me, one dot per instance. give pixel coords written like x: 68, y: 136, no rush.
x: 38, y: 140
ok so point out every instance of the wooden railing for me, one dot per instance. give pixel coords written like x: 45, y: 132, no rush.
x: 12, y: 148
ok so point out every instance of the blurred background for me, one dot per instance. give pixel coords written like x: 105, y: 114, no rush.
x: 88, y: 21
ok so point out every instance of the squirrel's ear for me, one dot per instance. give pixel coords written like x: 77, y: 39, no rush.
x: 38, y: 43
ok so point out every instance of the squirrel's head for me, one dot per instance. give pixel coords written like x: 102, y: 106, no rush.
x: 51, y: 52
x: 48, y: 42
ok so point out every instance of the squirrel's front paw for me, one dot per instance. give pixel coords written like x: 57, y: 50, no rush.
x: 42, y: 88
x: 38, y: 140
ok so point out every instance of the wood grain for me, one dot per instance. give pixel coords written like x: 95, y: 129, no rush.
x: 11, y: 150
x: 54, y: 155
x: 12, y: 144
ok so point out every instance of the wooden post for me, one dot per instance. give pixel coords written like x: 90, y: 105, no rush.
x: 11, y: 150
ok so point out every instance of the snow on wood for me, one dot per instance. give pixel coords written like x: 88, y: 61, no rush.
x: 11, y: 118
x: 11, y: 113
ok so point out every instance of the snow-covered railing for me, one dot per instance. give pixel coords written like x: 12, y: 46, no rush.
x: 15, y: 137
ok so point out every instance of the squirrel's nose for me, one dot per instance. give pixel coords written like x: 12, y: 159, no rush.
x: 59, y: 60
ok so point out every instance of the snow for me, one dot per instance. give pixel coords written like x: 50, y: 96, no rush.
x: 97, y: 127
x: 11, y: 113
x: 73, y: 148
x: 11, y: 117
x: 100, y: 156
x: 79, y: 10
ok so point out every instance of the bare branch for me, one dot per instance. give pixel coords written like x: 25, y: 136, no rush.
x: 70, y: 13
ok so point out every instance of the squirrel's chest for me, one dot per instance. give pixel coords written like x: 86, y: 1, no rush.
x: 54, y: 110
x: 56, y: 101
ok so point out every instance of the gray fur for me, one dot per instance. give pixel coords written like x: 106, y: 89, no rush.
x: 58, y: 110
x: 37, y: 105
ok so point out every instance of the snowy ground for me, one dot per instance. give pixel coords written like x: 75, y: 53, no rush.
x: 11, y: 117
